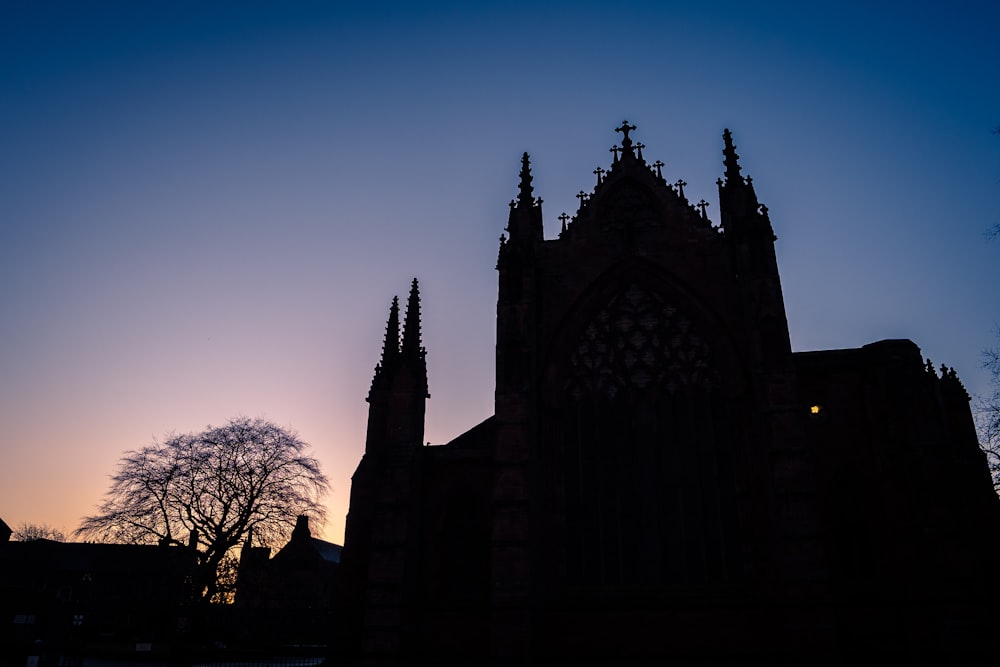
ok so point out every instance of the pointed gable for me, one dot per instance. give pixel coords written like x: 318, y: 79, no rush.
x: 633, y: 199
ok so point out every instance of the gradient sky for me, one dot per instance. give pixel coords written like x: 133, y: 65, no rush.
x: 206, y: 212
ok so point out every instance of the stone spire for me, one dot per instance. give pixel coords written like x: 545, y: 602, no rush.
x: 525, y: 222
x: 731, y: 160
x: 412, y: 351
x: 525, y: 192
x: 411, y: 347
x: 399, y: 389
x: 390, y: 346
x: 390, y: 349
x: 750, y: 238
x: 737, y: 197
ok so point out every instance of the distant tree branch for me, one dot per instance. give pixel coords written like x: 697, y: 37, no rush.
x: 26, y: 532
x: 988, y: 414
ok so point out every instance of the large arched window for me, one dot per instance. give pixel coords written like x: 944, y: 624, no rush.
x: 645, y: 449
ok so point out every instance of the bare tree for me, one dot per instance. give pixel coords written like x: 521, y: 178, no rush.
x: 988, y: 414
x: 25, y: 532
x: 210, y: 491
x: 988, y: 407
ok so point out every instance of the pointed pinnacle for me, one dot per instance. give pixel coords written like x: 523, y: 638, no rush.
x: 524, y: 189
x: 390, y: 346
x: 731, y: 159
x: 411, y: 328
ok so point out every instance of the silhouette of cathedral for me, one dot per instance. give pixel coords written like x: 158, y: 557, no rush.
x: 663, y: 478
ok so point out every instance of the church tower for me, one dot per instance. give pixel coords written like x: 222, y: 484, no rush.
x: 382, y: 527
x: 398, y: 395
x: 663, y: 480
x: 646, y: 428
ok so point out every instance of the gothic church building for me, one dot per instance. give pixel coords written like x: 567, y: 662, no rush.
x: 663, y: 477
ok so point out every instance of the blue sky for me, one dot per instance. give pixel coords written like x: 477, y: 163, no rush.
x: 206, y: 210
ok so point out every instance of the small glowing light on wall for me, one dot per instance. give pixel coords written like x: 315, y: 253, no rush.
x: 815, y: 409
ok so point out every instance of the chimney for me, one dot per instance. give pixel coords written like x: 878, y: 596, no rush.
x: 301, y: 531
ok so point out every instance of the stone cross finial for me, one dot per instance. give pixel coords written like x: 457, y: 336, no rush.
x: 564, y: 217
x: 659, y: 168
x: 625, y: 129
x: 702, y: 205
x: 638, y: 149
x: 680, y: 187
x: 583, y: 197
x: 600, y: 175
x: 616, y: 149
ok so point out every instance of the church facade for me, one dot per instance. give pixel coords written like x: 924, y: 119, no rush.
x: 663, y: 477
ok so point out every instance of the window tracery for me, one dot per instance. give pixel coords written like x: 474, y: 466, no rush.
x: 638, y: 341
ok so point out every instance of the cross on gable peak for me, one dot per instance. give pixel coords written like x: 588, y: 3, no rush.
x: 565, y: 217
x: 625, y: 129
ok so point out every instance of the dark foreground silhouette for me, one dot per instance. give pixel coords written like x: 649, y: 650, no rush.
x: 663, y: 478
